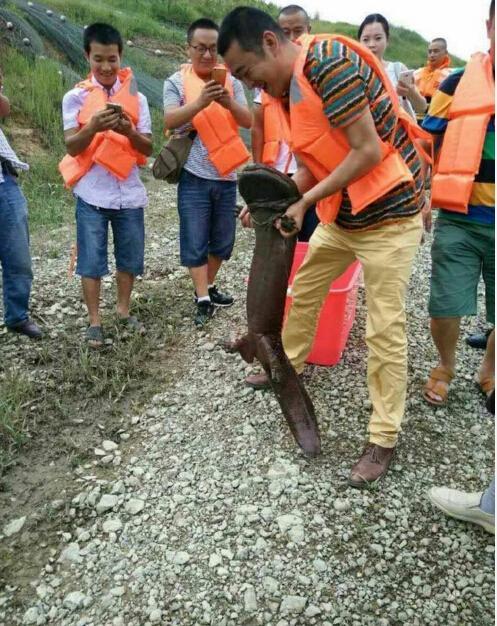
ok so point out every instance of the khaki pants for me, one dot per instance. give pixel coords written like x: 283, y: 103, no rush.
x: 386, y: 254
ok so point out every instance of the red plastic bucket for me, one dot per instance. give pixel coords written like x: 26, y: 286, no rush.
x: 337, y: 314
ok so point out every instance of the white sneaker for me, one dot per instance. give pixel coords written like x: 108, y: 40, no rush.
x: 462, y: 505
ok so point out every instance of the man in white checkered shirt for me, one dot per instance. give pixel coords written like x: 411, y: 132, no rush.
x: 14, y: 239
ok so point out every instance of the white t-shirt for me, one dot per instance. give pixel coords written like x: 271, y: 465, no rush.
x: 285, y: 161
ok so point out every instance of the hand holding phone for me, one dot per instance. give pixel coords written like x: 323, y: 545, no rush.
x: 114, y: 106
x: 407, y: 77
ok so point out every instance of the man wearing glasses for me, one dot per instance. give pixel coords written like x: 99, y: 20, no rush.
x: 214, y: 109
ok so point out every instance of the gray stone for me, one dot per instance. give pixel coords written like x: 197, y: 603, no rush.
x: 117, y: 592
x: 112, y: 525
x: 71, y: 554
x: 296, y: 534
x: 215, y: 560
x: 107, y: 502
x: 14, y: 526
x: 285, y: 522
x: 109, y: 446
x: 178, y: 558
x: 250, y: 599
x: 270, y: 585
x: 134, y: 506
x: 31, y: 616
x: 155, y: 616
x: 74, y: 600
x: 341, y: 505
x: 312, y: 611
x: 319, y: 565
x: 293, y: 604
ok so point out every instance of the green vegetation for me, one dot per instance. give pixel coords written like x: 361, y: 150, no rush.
x: 35, y: 91
x: 56, y: 381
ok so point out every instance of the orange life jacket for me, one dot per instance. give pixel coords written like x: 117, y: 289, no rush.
x: 428, y: 79
x: 109, y: 149
x: 216, y: 126
x: 322, y: 148
x: 460, y: 156
x: 276, y: 128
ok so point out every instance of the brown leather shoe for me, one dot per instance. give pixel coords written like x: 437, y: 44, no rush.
x: 372, y: 465
x: 258, y: 381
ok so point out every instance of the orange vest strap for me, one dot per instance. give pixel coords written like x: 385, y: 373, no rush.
x: 216, y: 126
x: 276, y: 129
x: 108, y: 149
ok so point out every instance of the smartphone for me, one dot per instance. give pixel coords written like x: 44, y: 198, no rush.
x: 117, y: 108
x: 407, y: 77
x: 219, y: 75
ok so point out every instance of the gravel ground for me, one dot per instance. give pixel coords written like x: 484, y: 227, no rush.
x: 209, y: 514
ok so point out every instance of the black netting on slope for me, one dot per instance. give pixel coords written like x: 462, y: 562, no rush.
x: 68, y: 38
x: 19, y: 33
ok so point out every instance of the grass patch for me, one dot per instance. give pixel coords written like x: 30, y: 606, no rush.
x: 35, y: 89
x: 17, y: 392
x: 67, y: 381
x: 50, y: 204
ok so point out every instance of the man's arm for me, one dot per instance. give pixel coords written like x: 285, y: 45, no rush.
x: 303, y: 177
x: 77, y: 140
x: 4, y: 101
x: 142, y: 142
x: 4, y: 106
x: 241, y: 113
x: 364, y: 154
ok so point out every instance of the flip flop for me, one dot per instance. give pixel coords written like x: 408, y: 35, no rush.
x: 435, y: 383
x: 94, y: 337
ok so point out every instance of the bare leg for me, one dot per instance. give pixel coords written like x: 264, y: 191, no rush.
x: 200, y: 281
x: 487, y: 368
x: 213, y: 265
x: 91, y: 294
x: 445, y: 333
x: 124, y: 287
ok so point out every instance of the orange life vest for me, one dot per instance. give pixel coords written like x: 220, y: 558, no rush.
x: 276, y: 128
x: 322, y: 148
x: 109, y: 149
x: 460, y: 156
x: 428, y: 79
x: 216, y: 126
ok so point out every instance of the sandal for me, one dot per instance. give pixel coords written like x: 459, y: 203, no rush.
x: 94, y: 336
x: 133, y: 324
x: 438, y: 383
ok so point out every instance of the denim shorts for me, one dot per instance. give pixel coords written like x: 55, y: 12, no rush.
x: 92, y: 225
x: 207, y: 219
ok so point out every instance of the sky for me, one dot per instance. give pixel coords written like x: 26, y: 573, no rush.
x: 461, y: 23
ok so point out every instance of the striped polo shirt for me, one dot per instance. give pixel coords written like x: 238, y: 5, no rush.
x: 481, y: 207
x: 347, y: 86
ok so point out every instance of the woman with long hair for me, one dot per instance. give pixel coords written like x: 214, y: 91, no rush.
x: 374, y: 33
